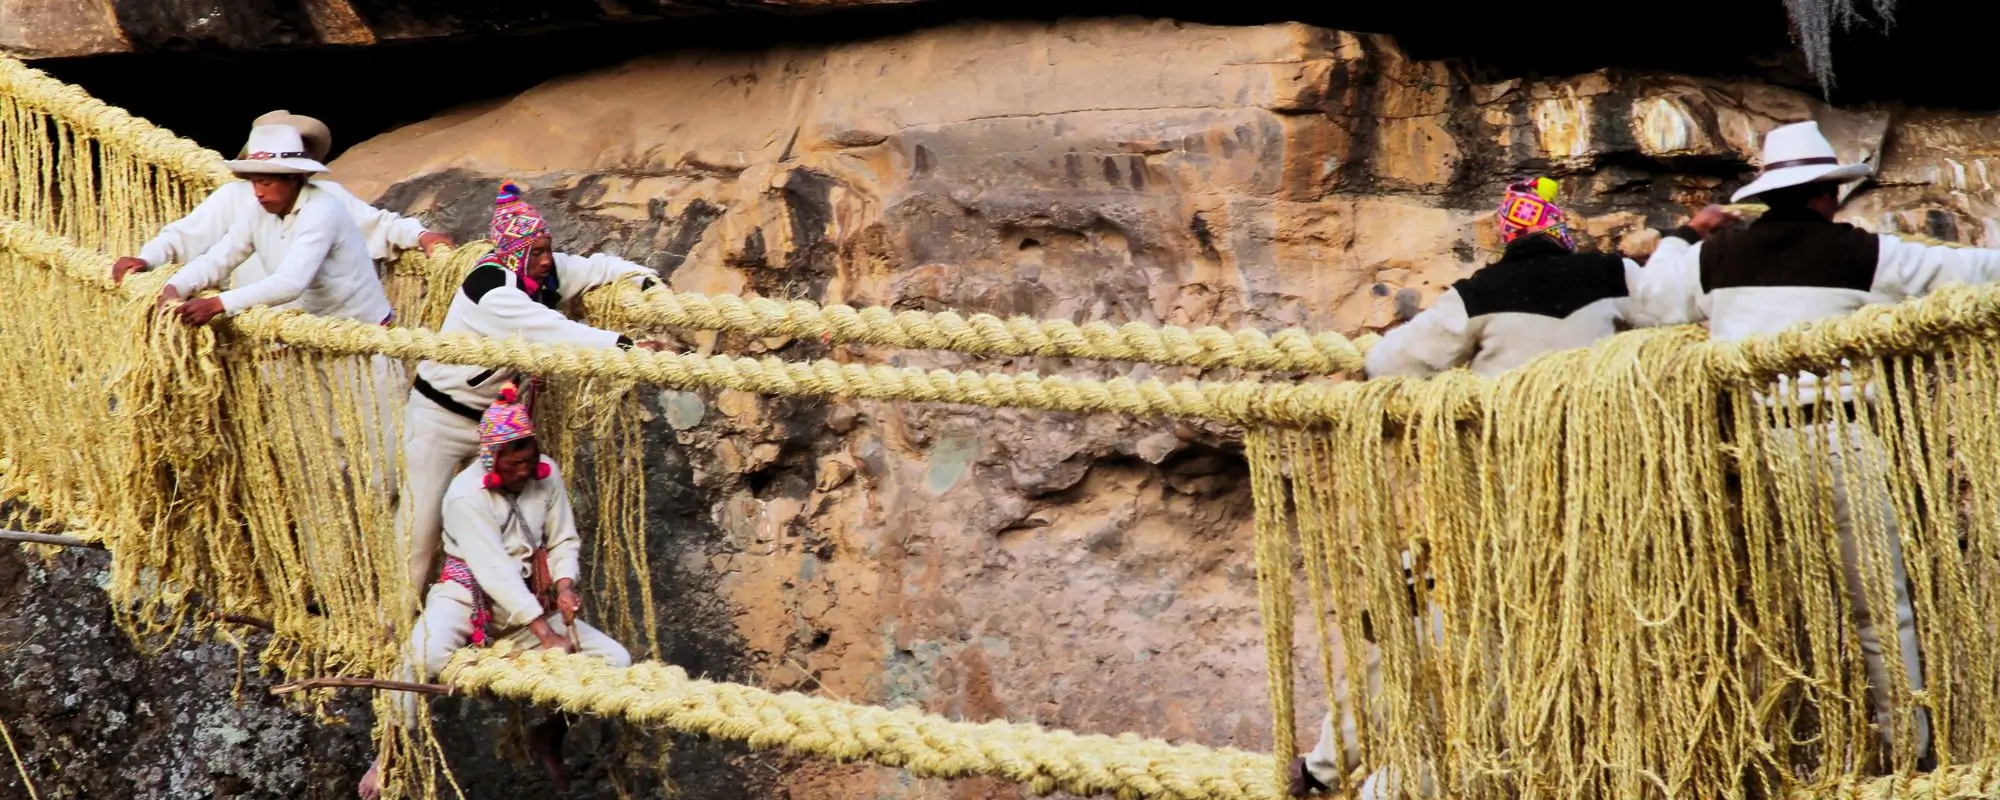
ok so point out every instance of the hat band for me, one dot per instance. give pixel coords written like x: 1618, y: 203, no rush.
x: 265, y: 155
x: 1800, y: 162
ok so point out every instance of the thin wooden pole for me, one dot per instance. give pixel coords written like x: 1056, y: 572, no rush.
x: 362, y: 683
x: 48, y: 538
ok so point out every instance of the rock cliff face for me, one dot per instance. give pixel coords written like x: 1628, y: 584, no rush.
x: 56, y: 28
x: 1086, y: 572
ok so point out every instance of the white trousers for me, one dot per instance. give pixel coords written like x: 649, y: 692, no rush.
x: 437, y: 445
x: 1324, y: 762
x: 446, y: 627
x: 1864, y: 520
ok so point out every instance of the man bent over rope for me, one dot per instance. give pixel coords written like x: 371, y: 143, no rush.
x: 1795, y: 264
x: 386, y: 232
x: 510, y: 568
x: 514, y: 292
x: 316, y: 256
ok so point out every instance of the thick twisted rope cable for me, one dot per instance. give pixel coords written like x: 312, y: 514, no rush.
x: 1288, y: 350
x: 1872, y: 331
x: 1236, y: 401
x: 922, y: 744
x: 108, y: 123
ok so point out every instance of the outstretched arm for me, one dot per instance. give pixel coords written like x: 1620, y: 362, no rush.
x: 1906, y: 269
x: 506, y: 311
x: 212, y: 267
x: 1667, y: 291
x: 194, y: 234
x: 1440, y: 338
x: 578, y: 274
x: 387, y: 232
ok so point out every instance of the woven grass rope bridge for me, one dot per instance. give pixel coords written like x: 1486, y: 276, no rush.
x: 1632, y: 561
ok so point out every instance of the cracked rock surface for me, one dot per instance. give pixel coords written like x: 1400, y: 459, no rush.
x: 1092, y: 573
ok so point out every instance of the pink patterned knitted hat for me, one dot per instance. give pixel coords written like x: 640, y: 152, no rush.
x: 516, y: 226
x: 1529, y: 207
x: 504, y: 421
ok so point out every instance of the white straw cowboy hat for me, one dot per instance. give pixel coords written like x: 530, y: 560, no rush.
x: 275, y: 150
x: 1798, y: 154
x: 319, y: 140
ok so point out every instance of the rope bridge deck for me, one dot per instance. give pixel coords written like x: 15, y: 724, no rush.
x: 1631, y: 557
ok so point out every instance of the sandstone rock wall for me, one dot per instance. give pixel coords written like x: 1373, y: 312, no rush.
x: 1092, y: 573
x: 1085, y: 572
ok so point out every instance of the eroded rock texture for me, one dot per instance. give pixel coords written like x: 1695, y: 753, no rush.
x: 1085, y: 572
x: 55, y: 28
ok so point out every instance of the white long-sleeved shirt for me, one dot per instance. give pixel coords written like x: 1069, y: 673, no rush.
x: 1670, y: 292
x: 317, y: 256
x: 492, y: 304
x: 479, y: 529
x: 386, y: 232
x: 1536, y: 300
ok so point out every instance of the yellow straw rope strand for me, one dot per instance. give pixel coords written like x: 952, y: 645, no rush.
x: 1289, y: 350
x: 923, y: 744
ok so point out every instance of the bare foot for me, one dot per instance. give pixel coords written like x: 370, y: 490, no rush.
x: 547, y: 742
x: 371, y: 783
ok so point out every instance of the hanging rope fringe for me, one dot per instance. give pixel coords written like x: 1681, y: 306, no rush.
x: 1615, y: 572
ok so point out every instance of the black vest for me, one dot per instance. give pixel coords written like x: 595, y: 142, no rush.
x: 1790, y: 248
x: 1537, y: 276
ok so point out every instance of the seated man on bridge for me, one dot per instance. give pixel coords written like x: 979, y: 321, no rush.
x: 1794, y: 264
x: 1540, y: 297
x: 514, y: 292
x: 511, y: 559
x: 386, y: 232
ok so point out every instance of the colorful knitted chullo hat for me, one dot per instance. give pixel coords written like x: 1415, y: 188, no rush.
x: 516, y: 226
x: 505, y: 421
x: 1529, y: 207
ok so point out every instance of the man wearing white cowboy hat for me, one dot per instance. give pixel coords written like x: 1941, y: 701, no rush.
x: 1794, y: 264
x: 386, y: 232
x: 313, y: 249
x: 316, y: 257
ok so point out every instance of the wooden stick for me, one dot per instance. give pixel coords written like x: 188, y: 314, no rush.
x: 48, y: 538
x: 246, y: 619
x: 363, y: 683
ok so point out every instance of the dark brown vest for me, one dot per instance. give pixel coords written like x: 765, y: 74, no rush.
x: 1790, y: 248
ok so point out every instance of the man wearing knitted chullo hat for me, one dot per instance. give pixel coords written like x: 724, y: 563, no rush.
x: 1540, y: 297
x: 514, y: 292
x: 511, y: 559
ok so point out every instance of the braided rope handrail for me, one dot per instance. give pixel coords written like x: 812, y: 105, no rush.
x: 922, y: 744
x: 1874, y: 330
x: 146, y: 141
x: 1288, y: 350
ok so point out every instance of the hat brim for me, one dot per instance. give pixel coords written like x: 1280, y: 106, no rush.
x: 1800, y: 176
x: 276, y: 166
